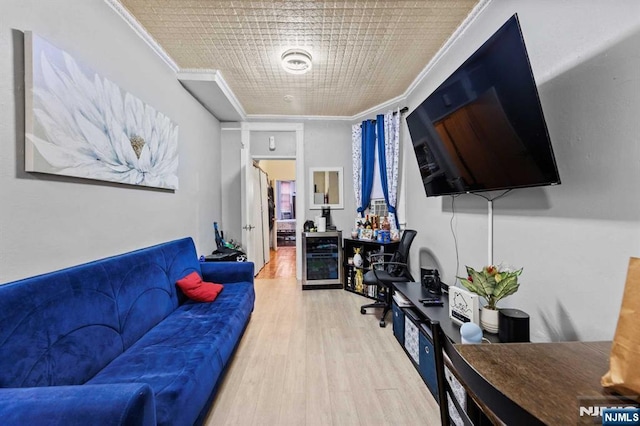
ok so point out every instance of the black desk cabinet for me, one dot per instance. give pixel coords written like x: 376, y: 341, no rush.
x: 368, y: 247
x: 411, y: 329
x: 398, y: 323
x: 415, y: 338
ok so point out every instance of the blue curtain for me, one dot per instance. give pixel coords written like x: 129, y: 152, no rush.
x: 382, y: 163
x: 368, y: 163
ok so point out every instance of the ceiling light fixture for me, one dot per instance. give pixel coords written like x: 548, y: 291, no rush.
x: 296, y: 61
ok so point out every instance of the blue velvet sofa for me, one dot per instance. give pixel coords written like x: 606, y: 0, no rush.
x: 115, y: 342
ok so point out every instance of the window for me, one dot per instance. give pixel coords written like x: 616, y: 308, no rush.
x: 378, y: 207
x: 286, y: 195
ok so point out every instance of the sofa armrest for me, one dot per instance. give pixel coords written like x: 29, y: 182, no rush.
x: 227, y: 272
x: 111, y: 404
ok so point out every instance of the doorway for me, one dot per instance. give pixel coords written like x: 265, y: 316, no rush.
x: 260, y: 149
x: 282, y: 181
x: 285, y: 215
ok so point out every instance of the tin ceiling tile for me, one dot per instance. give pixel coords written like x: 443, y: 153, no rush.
x: 365, y: 52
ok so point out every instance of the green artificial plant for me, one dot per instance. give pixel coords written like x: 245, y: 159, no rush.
x: 492, y: 282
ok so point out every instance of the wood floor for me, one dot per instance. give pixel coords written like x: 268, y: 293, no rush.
x: 310, y: 358
x: 281, y: 265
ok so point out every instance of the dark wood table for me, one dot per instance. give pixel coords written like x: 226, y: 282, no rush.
x: 550, y: 380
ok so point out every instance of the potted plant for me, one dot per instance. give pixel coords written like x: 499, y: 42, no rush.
x: 493, y: 283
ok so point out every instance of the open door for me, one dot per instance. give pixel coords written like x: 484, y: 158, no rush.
x: 246, y: 196
x: 264, y: 207
x: 257, y: 253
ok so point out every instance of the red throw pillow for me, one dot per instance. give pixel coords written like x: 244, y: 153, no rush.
x: 196, y: 289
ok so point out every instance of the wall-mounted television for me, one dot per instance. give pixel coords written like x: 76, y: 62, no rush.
x: 483, y: 128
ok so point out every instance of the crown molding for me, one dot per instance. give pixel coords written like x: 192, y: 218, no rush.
x: 214, y: 76
x: 141, y: 32
x: 259, y: 117
x: 391, y: 103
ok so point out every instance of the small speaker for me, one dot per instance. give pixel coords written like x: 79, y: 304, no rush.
x: 513, y: 325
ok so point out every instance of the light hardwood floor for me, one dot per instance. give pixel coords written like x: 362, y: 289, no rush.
x: 310, y: 358
x: 281, y: 265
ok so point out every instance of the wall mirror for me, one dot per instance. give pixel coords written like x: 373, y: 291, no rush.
x: 326, y: 187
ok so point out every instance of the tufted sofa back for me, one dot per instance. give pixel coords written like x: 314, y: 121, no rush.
x: 62, y: 327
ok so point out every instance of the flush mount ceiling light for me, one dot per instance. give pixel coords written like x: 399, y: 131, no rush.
x: 296, y: 61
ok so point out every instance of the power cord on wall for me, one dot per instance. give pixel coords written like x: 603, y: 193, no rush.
x: 497, y: 197
x: 455, y: 238
x: 453, y: 232
x: 490, y: 223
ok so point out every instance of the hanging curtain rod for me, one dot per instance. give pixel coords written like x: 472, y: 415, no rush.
x: 402, y: 111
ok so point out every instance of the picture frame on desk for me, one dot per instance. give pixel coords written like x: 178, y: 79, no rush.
x: 463, y: 306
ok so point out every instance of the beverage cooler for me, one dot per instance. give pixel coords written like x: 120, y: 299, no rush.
x: 321, y: 260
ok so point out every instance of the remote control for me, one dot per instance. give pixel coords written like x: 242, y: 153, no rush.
x: 431, y: 301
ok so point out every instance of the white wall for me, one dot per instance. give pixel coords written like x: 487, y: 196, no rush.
x: 573, y: 240
x: 48, y: 222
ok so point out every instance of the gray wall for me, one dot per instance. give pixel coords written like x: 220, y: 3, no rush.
x: 231, y: 219
x: 573, y: 240
x: 328, y: 144
x: 285, y: 143
x: 48, y: 222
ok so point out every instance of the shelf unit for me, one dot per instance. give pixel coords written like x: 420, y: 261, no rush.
x: 369, y: 247
x: 321, y: 260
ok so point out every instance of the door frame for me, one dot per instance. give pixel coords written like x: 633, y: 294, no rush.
x: 245, y: 137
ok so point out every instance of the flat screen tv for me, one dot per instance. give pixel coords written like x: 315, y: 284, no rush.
x: 483, y: 128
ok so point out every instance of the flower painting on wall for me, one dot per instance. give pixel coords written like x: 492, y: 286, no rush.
x: 80, y: 124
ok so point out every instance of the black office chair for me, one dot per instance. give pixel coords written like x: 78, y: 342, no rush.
x: 385, y: 272
x: 477, y: 391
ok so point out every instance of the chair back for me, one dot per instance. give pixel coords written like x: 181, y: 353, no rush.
x: 402, y: 256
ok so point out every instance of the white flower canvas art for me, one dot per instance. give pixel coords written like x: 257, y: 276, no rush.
x: 80, y: 124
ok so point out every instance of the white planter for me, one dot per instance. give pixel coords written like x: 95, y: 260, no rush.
x: 489, y: 320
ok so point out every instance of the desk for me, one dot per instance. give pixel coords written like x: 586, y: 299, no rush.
x: 549, y: 380
x: 414, y: 292
x: 546, y: 379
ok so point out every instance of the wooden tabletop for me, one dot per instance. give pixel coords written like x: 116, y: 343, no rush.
x: 546, y: 379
